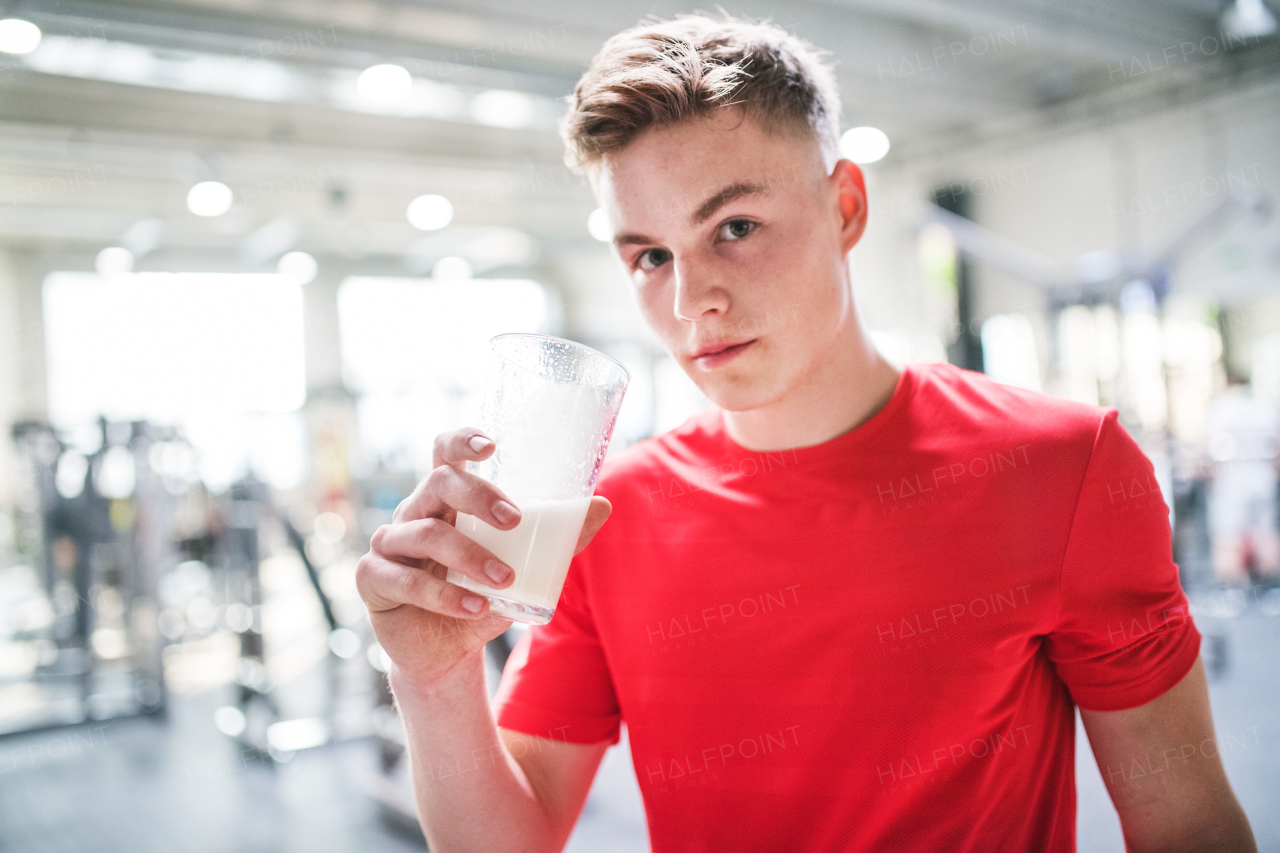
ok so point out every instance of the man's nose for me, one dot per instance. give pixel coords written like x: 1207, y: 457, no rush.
x: 700, y: 292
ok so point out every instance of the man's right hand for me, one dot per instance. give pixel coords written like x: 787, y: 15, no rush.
x: 425, y: 624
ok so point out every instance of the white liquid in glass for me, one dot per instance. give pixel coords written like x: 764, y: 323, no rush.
x: 539, y: 549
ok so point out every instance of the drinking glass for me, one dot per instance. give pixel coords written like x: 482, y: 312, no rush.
x: 550, y: 406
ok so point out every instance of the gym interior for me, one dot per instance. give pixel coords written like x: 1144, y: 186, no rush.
x: 251, y: 255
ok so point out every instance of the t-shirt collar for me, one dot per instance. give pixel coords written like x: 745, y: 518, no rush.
x: 843, y: 443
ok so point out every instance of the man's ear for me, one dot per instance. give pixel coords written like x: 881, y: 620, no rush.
x: 852, y: 189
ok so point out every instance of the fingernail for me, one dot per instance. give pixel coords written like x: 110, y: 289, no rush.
x: 497, y: 572
x: 472, y: 603
x: 478, y: 443
x: 505, y: 512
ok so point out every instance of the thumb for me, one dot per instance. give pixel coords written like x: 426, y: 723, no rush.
x: 597, y: 514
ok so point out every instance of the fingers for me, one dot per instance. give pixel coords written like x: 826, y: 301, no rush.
x: 462, y: 445
x: 597, y: 514
x: 434, y: 539
x: 448, y: 487
x: 453, y: 448
x: 386, y: 585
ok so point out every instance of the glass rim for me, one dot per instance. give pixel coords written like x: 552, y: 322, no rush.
x: 626, y: 373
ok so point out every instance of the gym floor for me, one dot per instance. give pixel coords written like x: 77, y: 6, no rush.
x: 153, y: 785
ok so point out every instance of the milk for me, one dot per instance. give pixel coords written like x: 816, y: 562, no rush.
x: 539, y: 548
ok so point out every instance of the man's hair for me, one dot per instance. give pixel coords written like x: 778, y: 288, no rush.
x: 664, y: 72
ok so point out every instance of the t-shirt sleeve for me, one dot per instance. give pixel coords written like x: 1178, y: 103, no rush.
x: 556, y: 683
x: 1123, y: 633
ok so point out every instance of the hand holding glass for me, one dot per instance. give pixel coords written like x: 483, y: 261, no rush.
x: 550, y: 406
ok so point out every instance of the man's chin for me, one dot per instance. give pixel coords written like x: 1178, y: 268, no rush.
x: 737, y: 394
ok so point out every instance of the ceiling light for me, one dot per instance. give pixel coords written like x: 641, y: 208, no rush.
x: 384, y: 84
x: 430, y: 212
x: 113, y: 261
x: 451, y: 267
x: 298, y: 267
x: 18, y: 36
x: 1245, y: 19
x: 502, y: 108
x: 598, y: 226
x: 209, y: 198
x: 864, y: 144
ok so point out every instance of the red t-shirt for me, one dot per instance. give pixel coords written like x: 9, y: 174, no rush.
x: 869, y: 644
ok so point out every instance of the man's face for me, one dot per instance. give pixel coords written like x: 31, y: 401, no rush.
x: 735, y: 240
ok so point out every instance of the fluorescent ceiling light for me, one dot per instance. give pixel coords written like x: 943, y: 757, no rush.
x: 864, y: 144
x: 18, y: 36
x: 179, y: 70
x: 1248, y: 19
x: 267, y: 80
x: 384, y: 84
x: 209, y: 198
x: 430, y: 212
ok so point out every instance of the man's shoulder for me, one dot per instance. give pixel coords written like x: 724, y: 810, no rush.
x: 968, y: 403
x: 946, y: 409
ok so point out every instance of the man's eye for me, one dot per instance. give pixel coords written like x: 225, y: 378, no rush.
x: 736, y: 229
x: 652, y: 258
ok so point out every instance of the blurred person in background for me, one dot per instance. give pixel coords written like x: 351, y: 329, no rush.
x: 850, y: 607
x: 1243, y: 432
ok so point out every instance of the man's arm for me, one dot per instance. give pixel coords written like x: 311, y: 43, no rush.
x: 1161, y: 766
x: 484, y: 789
x: 475, y: 789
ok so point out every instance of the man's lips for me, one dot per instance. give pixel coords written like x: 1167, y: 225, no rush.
x: 721, y: 351
x: 721, y: 346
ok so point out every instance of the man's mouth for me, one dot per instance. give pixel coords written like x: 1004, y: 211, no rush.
x: 721, y: 352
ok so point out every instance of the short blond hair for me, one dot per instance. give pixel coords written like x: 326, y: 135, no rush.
x: 663, y: 72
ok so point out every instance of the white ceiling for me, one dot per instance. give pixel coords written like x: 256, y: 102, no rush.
x: 83, y: 156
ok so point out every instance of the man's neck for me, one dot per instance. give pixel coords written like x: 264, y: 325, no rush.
x: 841, y: 394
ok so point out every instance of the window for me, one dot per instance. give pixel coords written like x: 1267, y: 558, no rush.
x: 220, y: 355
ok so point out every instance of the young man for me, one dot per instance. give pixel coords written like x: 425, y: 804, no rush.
x: 848, y: 608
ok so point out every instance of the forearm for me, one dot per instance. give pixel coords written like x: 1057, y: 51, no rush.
x: 1221, y: 827
x: 1163, y: 769
x: 471, y: 793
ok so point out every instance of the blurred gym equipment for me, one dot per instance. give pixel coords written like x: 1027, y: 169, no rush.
x: 98, y: 530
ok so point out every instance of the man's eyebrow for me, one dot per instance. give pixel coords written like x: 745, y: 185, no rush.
x: 717, y: 200
x: 632, y: 240
x: 725, y: 195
